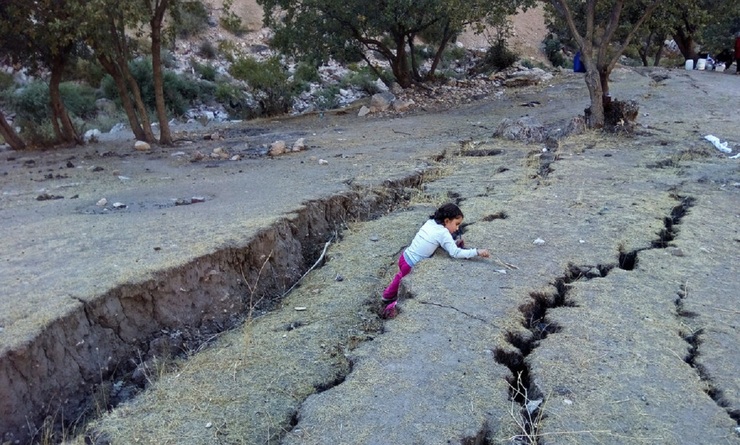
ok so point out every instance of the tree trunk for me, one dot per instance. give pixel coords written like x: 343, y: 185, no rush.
x: 399, y: 63
x: 128, y: 106
x: 658, y: 55
x: 59, y: 112
x: 165, y: 137
x: 9, y: 134
x: 685, y: 43
x: 442, y: 46
x: 595, y: 113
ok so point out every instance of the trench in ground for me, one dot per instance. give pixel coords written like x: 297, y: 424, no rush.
x: 179, y: 310
x: 523, y: 390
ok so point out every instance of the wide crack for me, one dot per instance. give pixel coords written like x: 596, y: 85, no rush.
x: 196, y: 301
x: 522, y: 389
x: 693, y: 338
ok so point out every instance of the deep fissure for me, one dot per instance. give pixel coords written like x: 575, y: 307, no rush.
x: 694, y: 341
x: 522, y: 389
x: 207, y: 279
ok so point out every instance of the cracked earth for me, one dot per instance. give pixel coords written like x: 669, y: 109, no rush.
x: 608, y: 312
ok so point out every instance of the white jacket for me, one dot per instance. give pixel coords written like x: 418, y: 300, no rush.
x: 428, y: 238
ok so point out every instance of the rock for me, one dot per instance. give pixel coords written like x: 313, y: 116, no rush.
x: 299, y: 145
x: 117, y: 128
x: 402, y: 105
x: 197, y: 199
x: 525, y: 129
x: 526, y: 77
x: 381, y: 86
x: 364, y: 111
x: 381, y: 101
x: 92, y: 135
x: 323, y: 162
x: 142, y: 146
x: 220, y: 153
x: 538, y: 241
x: 277, y: 148
x: 102, y: 202
x: 119, y: 205
x: 374, y: 238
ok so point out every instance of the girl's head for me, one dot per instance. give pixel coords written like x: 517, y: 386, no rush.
x: 450, y: 216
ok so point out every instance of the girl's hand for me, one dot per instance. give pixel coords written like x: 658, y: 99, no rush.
x: 483, y: 253
x: 460, y: 243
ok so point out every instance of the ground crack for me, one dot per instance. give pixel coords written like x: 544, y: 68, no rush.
x: 628, y: 260
x: 693, y: 338
x: 456, y: 309
x: 522, y: 389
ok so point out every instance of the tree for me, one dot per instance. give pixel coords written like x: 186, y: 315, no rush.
x: 157, y: 9
x: 350, y: 30
x: 43, y: 35
x: 106, y: 34
x: 599, y: 52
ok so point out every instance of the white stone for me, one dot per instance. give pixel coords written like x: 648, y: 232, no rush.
x: 364, y: 111
x: 299, y: 145
x: 102, y: 202
x: 277, y: 148
x: 142, y: 146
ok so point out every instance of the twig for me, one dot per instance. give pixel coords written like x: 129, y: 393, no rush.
x: 321, y: 257
x: 400, y: 132
x: 506, y: 265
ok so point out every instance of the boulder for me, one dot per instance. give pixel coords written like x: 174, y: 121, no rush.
x: 142, y: 146
x: 277, y: 148
x: 381, y: 101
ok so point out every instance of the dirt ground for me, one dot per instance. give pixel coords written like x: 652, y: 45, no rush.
x: 608, y: 313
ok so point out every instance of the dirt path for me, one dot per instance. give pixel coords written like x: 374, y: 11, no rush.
x: 619, y: 330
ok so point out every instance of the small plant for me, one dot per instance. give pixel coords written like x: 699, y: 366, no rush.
x: 362, y: 78
x: 206, y: 50
x: 553, y: 50
x: 499, y: 56
x: 230, y: 21
x: 204, y: 71
x: 228, y: 50
x: 269, y: 83
x: 190, y: 18
x: 328, y: 98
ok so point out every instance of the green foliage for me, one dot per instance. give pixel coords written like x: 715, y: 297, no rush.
x: 351, y: 30
x: 305, y: 72
x: 190, y: 18
x: 31, y: 102
x: 228, y: 50
x: 206, y: 50
x: 269, y: 83
x: 328, y: 98
x: 499, y: 56
x: 230, y: 21
x: 79, y: 99
x: 363, y: 79
x: 6, y: 81
x: 86, y: 70
x: 180, y: 91
x: 553, y: 50
x: 204, y: 71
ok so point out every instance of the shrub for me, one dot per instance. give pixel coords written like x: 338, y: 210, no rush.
x: 553, y: 50
x: 206, y: 72
x: 191, y: 18
x: 499, y: 56
x: 206, y: 50
x: 181, y: 91
x: 228, y: 50
x: 6, y: 81
x: 269, y: 82
x: 230, y: 21
x: 363, y: 79
x: 327, y: 98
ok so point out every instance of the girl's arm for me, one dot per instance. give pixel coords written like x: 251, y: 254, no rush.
x: 450, y: 246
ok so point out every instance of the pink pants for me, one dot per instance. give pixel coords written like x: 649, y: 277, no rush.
x: 391, y: 292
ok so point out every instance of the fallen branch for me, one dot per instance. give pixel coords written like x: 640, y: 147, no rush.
x: 506, y: 265
x: 321, y: 258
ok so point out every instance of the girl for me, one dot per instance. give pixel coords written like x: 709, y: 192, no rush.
x: 434, y: 233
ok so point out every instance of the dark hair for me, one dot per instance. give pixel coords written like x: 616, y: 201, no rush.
x: 447, y: 211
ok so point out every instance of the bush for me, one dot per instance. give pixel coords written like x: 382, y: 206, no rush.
x: 6, y: 81
x: 88, y: 71
x: 363, y: 79
x: 191, y: 18
x: 206, y: 72
x: 269, y: 82
x: 79, y: 99
x: 228, y: 50
x: 499, y: 56
x: 327, y: 98
x: 181, y: 91
x: 553, y: 50
x: 230, y: 21
x: 206, y: 50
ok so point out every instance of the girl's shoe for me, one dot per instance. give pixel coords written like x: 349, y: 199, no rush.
x: 390, y: 311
